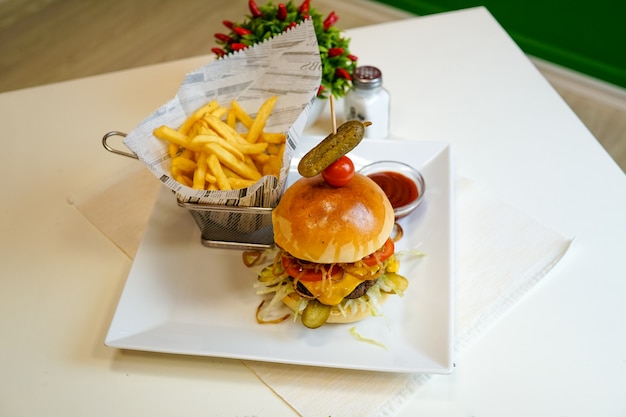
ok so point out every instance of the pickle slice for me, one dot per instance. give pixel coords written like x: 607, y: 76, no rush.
x: 267, y: 274
x: 333, y: 147
x: 400, y: 283
x: 315, y: 314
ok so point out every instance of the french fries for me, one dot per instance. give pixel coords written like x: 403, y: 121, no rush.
x: 209, y: 152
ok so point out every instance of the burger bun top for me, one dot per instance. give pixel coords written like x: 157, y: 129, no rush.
x: 320, y: 223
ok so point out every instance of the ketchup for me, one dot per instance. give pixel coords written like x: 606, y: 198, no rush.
x: 399, y: 189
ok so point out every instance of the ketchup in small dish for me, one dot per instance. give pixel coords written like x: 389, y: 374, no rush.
x: 403, y: 184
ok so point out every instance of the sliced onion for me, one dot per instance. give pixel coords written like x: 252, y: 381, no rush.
x: 262, y: 321
x: 397, y: 232
x: 252, y: 257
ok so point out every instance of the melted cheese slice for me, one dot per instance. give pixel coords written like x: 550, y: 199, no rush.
x: 331, y: 293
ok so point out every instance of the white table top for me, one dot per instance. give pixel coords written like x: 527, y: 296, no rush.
x: 454, y: 77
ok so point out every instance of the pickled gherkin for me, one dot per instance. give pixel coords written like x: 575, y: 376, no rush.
x: 333, y: 147
x: 315, y: 314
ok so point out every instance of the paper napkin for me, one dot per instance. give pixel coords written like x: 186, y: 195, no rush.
x: 120, y: 207
x: 501, y: 254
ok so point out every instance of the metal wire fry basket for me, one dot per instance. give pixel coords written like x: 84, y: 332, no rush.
x: 222, y: 226
x: 233, y: 227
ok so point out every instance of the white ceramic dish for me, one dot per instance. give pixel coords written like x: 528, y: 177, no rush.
x: 184, y: 298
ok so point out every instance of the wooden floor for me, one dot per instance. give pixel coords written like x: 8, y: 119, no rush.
x: 45, y: 41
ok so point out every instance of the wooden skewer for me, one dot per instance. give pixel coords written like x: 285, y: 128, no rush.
x: 333, y: 119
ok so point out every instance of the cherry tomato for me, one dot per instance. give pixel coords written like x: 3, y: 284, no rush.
x: 339, y: 173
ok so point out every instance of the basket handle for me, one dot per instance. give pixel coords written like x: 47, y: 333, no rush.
x: 111, y: 149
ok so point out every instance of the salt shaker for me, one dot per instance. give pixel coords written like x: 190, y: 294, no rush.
x: 368, y: 101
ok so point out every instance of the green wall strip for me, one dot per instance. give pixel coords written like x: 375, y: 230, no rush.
x: 588, y: 37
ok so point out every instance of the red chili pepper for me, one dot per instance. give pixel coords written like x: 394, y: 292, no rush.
x: 330, y: 20
x: 237, y: 46
x: 291, y: 25
x: 282, y: 12
x: 320, y: 89
x: 218, y: 51
x: 352, y: 57
x: 332, y: 52
x: 228, y: 24
x: 241, y: 31
x: 254, y: 9
x: 304, y: 8
x: 223, y: 37
x: 342, y: 73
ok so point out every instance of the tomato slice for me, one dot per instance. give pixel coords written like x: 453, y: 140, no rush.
x: 381, y: 254
x: 295, y: 269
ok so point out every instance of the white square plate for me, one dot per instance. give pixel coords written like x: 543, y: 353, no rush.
x: 184, y: 298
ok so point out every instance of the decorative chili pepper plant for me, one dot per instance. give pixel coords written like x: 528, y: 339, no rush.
x: 265, y: 21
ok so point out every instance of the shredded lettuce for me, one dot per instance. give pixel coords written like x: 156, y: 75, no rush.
x: 409, y: 252
x: 360, y: 338
x: 279, y: 286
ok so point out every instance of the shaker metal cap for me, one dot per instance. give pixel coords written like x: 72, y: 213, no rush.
x: 367, y: 77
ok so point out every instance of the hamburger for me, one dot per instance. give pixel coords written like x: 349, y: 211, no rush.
x: 335, y: 261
